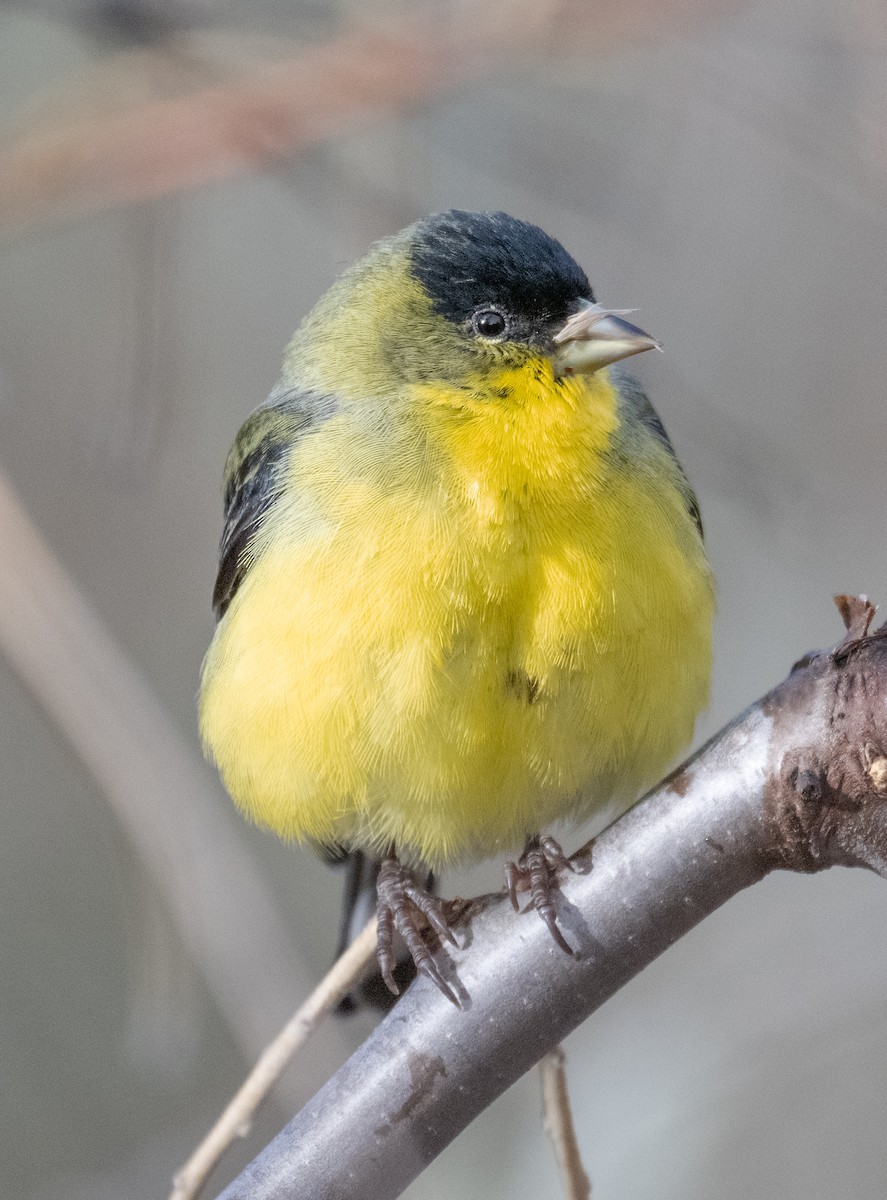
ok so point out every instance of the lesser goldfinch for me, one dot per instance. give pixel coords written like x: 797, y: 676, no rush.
x: 462, y: 589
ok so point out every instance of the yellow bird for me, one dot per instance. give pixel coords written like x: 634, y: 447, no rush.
x: 462, y: 590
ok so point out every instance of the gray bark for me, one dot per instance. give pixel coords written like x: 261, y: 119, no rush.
x: 799, y: 781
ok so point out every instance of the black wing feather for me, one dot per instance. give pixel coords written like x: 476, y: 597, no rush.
x: 254, y: 479
x: 635, y: 398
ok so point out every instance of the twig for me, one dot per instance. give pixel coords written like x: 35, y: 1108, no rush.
x: 795, y: 782
x: 557, y: 1120
x: 235, y: 1121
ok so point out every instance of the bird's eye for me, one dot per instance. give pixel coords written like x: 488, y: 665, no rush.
x: 489, y: 323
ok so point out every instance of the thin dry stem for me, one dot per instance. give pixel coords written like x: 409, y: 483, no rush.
x: 557, y: 1120
x: 235, y: 1121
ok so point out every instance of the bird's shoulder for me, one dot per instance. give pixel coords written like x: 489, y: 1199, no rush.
x: 639, y: 423
x: 254, y: 477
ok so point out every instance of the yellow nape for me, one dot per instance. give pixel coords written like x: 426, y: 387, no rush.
x: 497, y: 618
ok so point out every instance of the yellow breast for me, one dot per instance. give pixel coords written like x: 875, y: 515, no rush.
x: 462, y: 622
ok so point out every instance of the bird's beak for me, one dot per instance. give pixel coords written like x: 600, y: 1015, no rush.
x: 594, y: 337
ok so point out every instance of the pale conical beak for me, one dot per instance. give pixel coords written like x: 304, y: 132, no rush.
x: 594, y: 337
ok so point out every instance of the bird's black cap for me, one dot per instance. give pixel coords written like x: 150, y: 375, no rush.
x: 466, y: 260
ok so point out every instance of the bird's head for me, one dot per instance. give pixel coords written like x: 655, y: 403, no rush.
x: 458, y: 299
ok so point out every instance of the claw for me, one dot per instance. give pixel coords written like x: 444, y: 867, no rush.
x: 551, y: 921
x: 513, y: 879
x: 536, y: 872
x: 385, y: 946
x: 430, y: 971
x: 401, y: 904
x: 431, y: 908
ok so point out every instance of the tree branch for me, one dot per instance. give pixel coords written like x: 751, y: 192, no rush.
x: 797, y: 782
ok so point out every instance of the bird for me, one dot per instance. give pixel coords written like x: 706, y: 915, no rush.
x: 462, y: 591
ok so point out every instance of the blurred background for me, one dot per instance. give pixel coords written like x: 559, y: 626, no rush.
x: 179, y: 181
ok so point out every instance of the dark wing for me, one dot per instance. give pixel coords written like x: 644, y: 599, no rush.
x: 642, y: 412
x: 254, y: 479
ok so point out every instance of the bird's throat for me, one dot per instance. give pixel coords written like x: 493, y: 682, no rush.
x: 520, y: 436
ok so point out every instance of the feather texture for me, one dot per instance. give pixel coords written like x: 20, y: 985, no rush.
x: 499, y: 618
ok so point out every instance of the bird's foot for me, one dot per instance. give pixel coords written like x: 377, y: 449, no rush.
x: 404, y: 906
x: 536, y: 872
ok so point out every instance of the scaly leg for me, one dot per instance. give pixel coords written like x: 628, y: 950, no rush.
x: 536, y: 871
x: 404, y: 906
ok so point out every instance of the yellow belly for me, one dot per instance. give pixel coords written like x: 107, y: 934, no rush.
x: 448, y: 674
